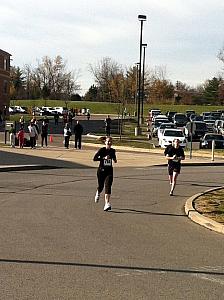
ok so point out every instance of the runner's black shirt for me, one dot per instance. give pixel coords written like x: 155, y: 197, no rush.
x: 105, y: 163
x: 171, y: 151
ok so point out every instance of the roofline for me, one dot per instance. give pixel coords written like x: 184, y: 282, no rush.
x: 4, y: 52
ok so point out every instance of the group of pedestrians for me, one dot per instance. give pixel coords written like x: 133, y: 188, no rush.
x: 35, y: 130
x: 78, y: 131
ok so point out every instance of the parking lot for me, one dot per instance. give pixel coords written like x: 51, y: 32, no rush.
x: 187, y: 127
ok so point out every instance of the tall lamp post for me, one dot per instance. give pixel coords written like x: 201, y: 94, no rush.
x: 141, y: 18
x: 136, y: 92
x: 143, y: 85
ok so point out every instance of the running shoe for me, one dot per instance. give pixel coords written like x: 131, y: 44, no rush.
x: 171, y: 193
x: 97, y: 197
x: 107, y: 207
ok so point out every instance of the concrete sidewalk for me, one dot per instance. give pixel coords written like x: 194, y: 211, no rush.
x: 127, y: 156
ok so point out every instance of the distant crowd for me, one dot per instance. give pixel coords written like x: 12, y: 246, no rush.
x: 38, y: 130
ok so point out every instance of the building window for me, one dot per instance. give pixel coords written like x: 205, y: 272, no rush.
x: 5, y: 87
x: 6, y: 64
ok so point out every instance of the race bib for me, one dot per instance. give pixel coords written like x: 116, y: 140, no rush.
x: 107, y: 162
x: 175, y: 160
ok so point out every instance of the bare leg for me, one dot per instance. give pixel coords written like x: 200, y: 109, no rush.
x: 174, y: 181
x: 107, y: 198
x: 107, y: 205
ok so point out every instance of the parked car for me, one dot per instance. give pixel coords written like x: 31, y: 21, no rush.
x: 156, y: 124
x: 61, y: 110
x: 47, y: 111
x: 199, y: 129
x: 206, y: 141
x: 210, y: 125
x: 180, y: 119
x: 195, y: 117
x: 153, y: 112
x: 216, y: 114
x: 36, y: 110
x: 206, y: 114
x: 21, y: 109
x: 12, y: 110
x: 170, y: 115
x: 219, y: 126
x: 171, y: 134
x: 189, y: 113
x: 164, y: 126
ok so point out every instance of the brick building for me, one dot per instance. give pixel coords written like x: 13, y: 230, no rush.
x: 4, y: 79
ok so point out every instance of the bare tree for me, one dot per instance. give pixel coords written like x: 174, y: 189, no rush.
x: 106, y: 74
x: 53, y: 79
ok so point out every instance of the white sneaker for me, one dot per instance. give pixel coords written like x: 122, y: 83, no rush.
x: 97, y: 197
x: 107, y: 207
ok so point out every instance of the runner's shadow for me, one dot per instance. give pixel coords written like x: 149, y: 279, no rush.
x: 117, y: 210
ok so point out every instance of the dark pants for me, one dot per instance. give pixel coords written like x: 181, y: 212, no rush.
x: 107, y: 129
x: 78, y: 141
x: 105, y: 178
x: 43, y: 138
x: 32, y: 142
x: 67, y: 141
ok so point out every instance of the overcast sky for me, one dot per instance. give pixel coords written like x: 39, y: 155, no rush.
x: 182, y: 35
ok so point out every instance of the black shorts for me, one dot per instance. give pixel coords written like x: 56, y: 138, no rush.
x: 172, y: 169
x: 105, y: 178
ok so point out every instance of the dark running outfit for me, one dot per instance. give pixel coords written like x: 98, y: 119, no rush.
x: 108, y: 122
x: 105, y: 169
x: 78, y: 130
x: 44, y: 133
x: 174, y: 165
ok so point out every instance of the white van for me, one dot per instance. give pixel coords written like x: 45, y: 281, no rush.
x: 153, y: 113
x: 61, y: 110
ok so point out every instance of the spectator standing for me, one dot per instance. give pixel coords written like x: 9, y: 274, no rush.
x: 70, y: 118
x: 21, y: 135
x: 65, y: 118
x: 56, y: 118
x: 21, y: 121
x: 107, y: 122
x: 46, y: 119
x: 105, y: 156
x: 37, y: 130
x: 44, y: 133
x: 78, y: 131
x: 12, y: 136
x: 32, y: 134
x: 67, y: 134
x: 88, y: 115
x: 174, y: 154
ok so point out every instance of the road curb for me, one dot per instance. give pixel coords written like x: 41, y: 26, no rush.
x: 200, y: 219
x: 26, y: 168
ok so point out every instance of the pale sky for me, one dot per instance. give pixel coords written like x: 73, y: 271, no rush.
x: 182, y: 35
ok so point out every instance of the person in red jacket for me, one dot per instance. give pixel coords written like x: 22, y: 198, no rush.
x: 21, y: 135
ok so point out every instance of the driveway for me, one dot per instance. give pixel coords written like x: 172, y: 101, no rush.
x: 56, y: 243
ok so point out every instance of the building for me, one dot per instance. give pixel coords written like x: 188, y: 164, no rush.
x: 4, y: 80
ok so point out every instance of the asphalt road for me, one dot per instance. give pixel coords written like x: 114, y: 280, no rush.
x: 56, y: 243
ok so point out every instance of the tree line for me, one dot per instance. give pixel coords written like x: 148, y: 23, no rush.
x: 113, y: 83
x: 49, y: 80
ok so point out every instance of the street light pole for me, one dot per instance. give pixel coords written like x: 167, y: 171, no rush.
x: 141, y: 18
x: 143, y: 84
x: 136, y: 92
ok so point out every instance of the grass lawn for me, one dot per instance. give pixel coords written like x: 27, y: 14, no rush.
x: 113, y: 108
x: 211, y: 205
